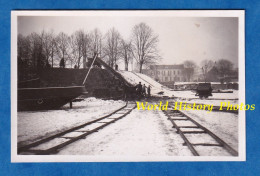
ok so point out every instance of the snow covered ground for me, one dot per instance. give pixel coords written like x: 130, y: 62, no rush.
x: 34, y: 125
x: 186, y: 83
x: 141, y: 133
x: 224, y: 125
x: 191, y: 94
x: 209, y: 101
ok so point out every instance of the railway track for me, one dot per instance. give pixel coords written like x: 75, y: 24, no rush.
x: 197, y: 138
x: 53, y: 144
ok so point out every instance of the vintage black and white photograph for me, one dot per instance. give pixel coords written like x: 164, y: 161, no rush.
x: 128, y: 86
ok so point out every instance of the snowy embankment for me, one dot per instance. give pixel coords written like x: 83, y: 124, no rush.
x: 34, y: 125
x: 135, y: 78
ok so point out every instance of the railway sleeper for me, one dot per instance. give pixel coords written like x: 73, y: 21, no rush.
x: 185, y: 127
x: 180, y: 119
x: 193, y: 132
x: 189, y: 127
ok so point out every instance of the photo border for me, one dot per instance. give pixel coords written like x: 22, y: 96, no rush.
x: 176, y: 13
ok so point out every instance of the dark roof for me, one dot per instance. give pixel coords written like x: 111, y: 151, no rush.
x: 181, y: 66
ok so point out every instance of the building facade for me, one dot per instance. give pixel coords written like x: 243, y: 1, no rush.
x: 166, y: 73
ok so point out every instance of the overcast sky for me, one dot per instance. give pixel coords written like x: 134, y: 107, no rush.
x: 180, y: 38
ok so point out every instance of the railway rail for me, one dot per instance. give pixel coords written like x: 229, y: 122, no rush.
x: 53, y: 144
x: 191, y: 132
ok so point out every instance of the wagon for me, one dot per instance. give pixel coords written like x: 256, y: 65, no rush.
x: 204, y: 90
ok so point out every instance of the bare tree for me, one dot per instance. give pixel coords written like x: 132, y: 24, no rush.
x: 206, y: 66
x: 38, y: 58
x: 63, y: 45
x: 112, y: 46
x: 49, y: 46
x: 24, y: 50
x: 77, y: 43
x: 52, y: 47
x: 72, y: 56
x: 224, y: 67
x: 145, y: 45
x: 86, y: 48
x: 95, y: 42
x: 126, y: 52
x: 189, y: 68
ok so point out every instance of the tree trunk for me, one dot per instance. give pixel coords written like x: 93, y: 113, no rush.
x: 126, y: 66
x: 78, y: 61
x: 84, y: 61
x: 52, y: 59
x: 140, y: 68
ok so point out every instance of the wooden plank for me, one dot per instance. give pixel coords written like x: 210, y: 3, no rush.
x: 193, y: 132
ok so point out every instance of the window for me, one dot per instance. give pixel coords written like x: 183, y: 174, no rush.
x: 166, y: 79
x: 174, y: 72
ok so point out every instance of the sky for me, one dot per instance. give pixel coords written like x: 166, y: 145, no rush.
x: 180, y: 38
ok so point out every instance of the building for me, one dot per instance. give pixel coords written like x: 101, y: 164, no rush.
x: 166, y: 73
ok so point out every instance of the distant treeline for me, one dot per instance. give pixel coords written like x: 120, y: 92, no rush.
x: 47, y: 49
x: 221, y: 70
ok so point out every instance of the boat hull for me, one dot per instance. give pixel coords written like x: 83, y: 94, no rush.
x: 46, y: 98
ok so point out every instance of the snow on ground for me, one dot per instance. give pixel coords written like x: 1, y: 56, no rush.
x: 224, y: 125
x: 34, y: 125
x: 211, y: 102
x: 186, y: 83
x: 204, y: 101
x: 142, y: 133
x: 191, y: 94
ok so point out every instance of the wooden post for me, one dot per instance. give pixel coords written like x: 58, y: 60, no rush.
x: 70, y: 104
